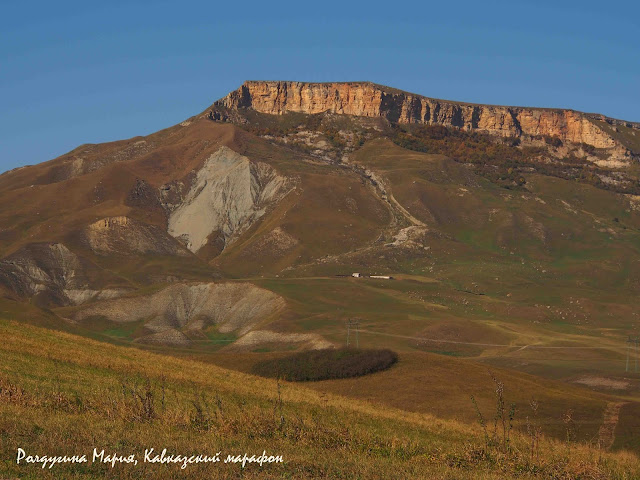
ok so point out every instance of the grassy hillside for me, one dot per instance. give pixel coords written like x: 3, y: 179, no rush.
x: 62, y: 394
x: 442, y: 386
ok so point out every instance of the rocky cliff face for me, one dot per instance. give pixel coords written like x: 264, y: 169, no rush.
x: 124, y: 236
x: 227, y: 196
x: 51, y: 274
x: 178, y: 309
x: 371, y: 100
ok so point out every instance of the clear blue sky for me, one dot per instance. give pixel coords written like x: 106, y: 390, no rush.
x: 88, y: 72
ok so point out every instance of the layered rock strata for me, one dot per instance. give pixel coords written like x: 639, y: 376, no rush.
x: 366, y: 99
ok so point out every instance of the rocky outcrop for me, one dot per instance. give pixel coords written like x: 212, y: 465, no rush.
x: 144, y: 196
x: 124, y: 236
x: 51, y: 274
x: 228, y: 194
x: 183, y: 309
x: 370, y: 100
x: 262, y: 338
x: 89, y: 158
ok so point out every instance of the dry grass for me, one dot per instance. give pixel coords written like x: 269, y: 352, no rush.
x: 62, y: 394
x: 441, y: 386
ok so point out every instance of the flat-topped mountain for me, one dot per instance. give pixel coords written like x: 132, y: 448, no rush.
x: 365, y: 99
x: 278, y: 183
x: 499, y: 234
x: 424, y: 266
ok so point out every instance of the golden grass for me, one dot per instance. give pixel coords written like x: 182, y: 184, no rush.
x: 63, y: 394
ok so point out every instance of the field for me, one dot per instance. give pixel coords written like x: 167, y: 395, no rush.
x: 63, y: 394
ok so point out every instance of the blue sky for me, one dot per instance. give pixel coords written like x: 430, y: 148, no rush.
x: 75, y: 72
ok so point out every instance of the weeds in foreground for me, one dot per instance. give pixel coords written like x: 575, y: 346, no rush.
x: 140, y: 399
x: 196, y: 413
x: 534, y: 431
x: 498, y: 449
x: 502, y: 416
x: 482, y: 422
x: 502, y: 419
x: 569, y: 425
x: 278, y: 405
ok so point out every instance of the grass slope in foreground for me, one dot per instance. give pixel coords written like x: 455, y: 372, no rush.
x: 63, y: 394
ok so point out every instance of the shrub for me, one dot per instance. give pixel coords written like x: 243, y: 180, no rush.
x: 326, y: 364
x: 553, y: 141
x: 502, y: 164
x: 590, y: 149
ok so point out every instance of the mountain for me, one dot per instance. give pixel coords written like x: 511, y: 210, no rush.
x: 365, y: 99
x: 512, y: 234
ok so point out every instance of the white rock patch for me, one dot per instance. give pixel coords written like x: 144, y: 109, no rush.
x: 260, y: 337
x: 228, y: 195
x: 231, y: 307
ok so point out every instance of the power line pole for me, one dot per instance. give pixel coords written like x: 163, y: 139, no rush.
x: 356, y: 324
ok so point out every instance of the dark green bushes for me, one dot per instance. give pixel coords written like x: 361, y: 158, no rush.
x: 326, y: 364
x: 501, y: 163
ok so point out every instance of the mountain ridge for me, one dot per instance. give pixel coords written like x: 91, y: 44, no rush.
x: 448, y: 100
x: 254, y: 196
x: 367, y: 99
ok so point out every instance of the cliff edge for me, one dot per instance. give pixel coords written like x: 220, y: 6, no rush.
x: 365, y: 99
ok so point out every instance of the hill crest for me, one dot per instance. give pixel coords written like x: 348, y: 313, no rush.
x: 366, y: 99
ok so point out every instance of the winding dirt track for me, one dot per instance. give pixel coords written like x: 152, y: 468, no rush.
x: 520, y: 347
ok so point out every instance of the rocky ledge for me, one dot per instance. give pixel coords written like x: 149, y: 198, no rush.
x: 367, y: 99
